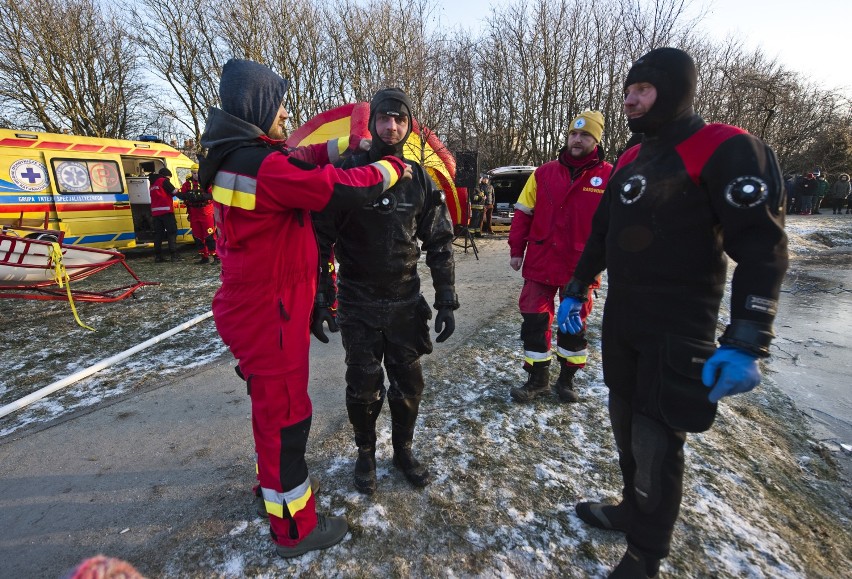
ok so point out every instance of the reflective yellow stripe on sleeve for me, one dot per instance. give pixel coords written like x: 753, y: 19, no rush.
x: 235, y: 190
x: 389, y: 176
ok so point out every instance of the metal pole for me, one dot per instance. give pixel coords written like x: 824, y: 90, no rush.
x: 39, y: 394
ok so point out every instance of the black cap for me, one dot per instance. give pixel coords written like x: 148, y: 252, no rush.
x: 165, y: 172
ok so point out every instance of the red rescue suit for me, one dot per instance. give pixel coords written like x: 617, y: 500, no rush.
x: 263, y: 195
x: 199, y: 206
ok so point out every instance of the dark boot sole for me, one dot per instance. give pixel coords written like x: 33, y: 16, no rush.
x: 601, y: 516
x: 365, y: 486
x: 521, y: 395
x: 418, y: 480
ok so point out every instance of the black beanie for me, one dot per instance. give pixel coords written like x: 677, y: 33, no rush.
x: 251, y: 92
x: 389, y: 100
x: 673, y: 74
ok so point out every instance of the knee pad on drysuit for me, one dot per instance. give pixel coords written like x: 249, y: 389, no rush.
x: 365, y: 384
x: 406, y: 380
x: 658, y: 454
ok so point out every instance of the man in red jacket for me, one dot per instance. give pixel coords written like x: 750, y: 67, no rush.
x: 263, y: 195
x: 551, y: 225
x: 163, y: 213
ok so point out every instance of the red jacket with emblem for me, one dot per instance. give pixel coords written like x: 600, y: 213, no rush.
x: 162, y: 201
x: 554, y: 218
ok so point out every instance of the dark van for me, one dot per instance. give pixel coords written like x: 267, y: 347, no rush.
x: 507, y: 182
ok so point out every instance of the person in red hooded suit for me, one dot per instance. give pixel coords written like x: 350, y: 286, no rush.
x: 263, y: 194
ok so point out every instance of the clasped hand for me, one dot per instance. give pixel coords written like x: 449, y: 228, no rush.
x: 730, y: 371
x: 568, y: 317
x: 323, y: 314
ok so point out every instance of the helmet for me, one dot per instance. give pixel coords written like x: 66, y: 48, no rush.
x: 194, y: 167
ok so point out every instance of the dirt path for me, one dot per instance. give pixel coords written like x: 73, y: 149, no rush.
x: 159, y: 476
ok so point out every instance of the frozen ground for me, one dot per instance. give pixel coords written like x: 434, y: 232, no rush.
x: 763, y: 497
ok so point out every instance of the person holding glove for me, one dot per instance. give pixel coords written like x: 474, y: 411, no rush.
x: 382, y: 315
x: 675, y: 205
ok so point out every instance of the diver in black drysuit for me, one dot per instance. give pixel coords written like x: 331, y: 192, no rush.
x: 382, y: 315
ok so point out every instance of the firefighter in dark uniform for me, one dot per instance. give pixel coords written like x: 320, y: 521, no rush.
x: 477, y: 210
x: 382, y: 315
x: 675, y: 205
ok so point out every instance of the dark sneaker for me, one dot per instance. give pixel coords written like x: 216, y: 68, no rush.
x: 203, y: 259
x: 634, y: 565
x: 606, y: 517
x: 260, y: 506
x: 328, y: 532
x: 159, y: 259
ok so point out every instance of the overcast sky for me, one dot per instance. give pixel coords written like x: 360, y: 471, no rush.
x: 809, y: 36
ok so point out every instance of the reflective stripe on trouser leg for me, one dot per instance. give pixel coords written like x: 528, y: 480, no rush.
x: 535, y: 334
x: 281, y: 421
x: 537, y: 309
x: 572, y: 349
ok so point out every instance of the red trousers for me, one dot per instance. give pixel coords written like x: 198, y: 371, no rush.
x: 537, y: 308
x: 201, y: 222
x: 267, y: 330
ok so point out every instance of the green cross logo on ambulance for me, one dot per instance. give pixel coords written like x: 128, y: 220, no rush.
x: 96, y: 191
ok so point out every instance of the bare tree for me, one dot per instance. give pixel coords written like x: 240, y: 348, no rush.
x: 67, y: 65
x: 181, y: 49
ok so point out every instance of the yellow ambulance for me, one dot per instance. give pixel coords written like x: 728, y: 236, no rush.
x: 94, y: 190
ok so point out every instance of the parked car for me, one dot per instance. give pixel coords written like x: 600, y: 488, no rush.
x: 507, y: 182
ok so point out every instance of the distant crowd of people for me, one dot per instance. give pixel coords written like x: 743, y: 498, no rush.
x: 809, y: 193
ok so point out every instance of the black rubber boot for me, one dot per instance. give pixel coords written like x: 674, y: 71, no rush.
x: 364, y: 475
x: 328, y: 532
x: 203, y: 259
x: 635, y: 565
x: 564, y: 386
x: 537, y: 384
x: 403, y: 417
x: 603, y: 516
x: 363, y: 419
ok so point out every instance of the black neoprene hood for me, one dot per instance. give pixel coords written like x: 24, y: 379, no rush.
x: 673, y: 74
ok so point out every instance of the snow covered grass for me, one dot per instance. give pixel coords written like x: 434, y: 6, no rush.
x: 759, y: 501
x: 507, y: 477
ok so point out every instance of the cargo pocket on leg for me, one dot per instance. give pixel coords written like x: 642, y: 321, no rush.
x: 683, y: 402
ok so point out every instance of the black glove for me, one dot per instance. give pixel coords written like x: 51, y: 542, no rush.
x: 323, y: 313
x: 445, y: 323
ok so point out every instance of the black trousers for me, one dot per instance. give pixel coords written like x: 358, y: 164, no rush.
x: 636, y: 325
x: 165, y: 227
x: 396, y: 335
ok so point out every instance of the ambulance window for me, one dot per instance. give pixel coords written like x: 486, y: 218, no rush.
x: 74, y: 176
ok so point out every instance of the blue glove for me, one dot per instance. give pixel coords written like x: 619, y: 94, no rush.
x: 730, y: 371
x: 568, y: 316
